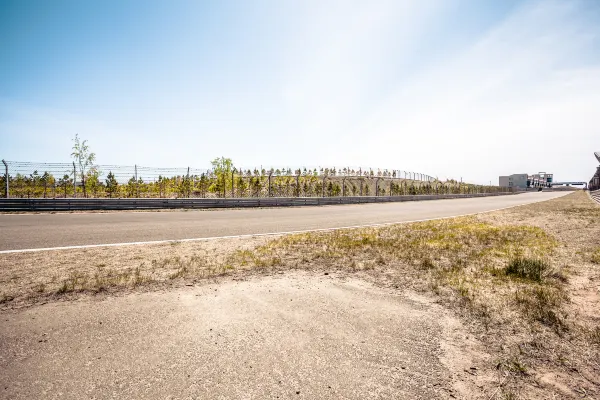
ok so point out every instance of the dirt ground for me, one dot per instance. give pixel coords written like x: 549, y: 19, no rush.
x: 294, y: 335
x: 449, y: 297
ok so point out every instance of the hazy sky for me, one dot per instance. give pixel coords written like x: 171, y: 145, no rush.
x: 451, y: 88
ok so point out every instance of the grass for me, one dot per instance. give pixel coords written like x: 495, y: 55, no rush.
x: 544, y: 304
x: 595, y: 258
x: 533, y: 269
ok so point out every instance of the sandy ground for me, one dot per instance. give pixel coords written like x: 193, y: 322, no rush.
x: 297, y: 335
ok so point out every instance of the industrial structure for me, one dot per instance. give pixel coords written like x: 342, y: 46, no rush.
x: 524, y: 181
x: 594, y: 183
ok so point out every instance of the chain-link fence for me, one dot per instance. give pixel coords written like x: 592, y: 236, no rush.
x: 55, y: 180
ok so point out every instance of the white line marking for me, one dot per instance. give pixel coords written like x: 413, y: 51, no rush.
x: 250, y: 235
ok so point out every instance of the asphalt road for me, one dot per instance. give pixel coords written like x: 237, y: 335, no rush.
x: 30, y: 231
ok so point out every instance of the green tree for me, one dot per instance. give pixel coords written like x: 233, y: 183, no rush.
x: 131, y: 187
x: 93, y: 180
x: 65, y: 181
x: 222, y: 168
x: 241, y: 186
x: 47, y: 179
x: 111, y: 184
x: 83, y: 157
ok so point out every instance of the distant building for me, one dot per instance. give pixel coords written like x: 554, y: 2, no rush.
x: 514, y: 180
x: 541, y: 179
x: 525, y: 181
x: 595, y: 181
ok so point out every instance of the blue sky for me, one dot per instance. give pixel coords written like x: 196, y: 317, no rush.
x: 451, y: 88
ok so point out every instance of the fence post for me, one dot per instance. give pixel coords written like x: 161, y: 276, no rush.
x: 270, y: 173
x: 189, y: 186
x: 6, y: 176
x: 137, y: 186
x: 74, y: 180
x: 232, y: 182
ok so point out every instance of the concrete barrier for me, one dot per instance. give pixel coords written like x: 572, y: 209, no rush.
x: 196, y: 203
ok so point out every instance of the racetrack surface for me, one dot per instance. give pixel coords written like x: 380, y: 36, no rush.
x: 30, y: 231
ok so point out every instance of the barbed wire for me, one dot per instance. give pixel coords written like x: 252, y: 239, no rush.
x: 124, y: 173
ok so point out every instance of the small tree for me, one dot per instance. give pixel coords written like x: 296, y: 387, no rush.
x: 222, y: 168
x: 111, y: 184
x: 131, y: 187
x: 64, y: 182
x: 93, y: 180
x: 83, y: 157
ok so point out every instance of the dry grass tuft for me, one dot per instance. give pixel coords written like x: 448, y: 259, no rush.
x: 596, y: 256
x: 533, y: 269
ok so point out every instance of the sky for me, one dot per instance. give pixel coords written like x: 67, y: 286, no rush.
x: 469, y: 89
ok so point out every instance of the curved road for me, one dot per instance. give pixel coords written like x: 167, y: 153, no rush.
x: 36, y: 231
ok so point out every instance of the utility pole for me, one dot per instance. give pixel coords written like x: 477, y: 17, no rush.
x: 6, y: 176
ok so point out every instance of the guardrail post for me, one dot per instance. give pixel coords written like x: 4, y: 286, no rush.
x: 74, y: 180
x: 6, y: 177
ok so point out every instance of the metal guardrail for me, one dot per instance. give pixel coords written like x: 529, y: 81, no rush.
x: 20, y: 205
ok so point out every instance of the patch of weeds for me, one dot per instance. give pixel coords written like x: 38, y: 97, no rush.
x: 138, y: 278
x: 463, y: 291
x: 533, y: 269
x: 64, y: 288
x: 179, y: 272
x: 514, y: 365
x: 509, y: 395
x: 543, y: 304
x: 427, y: 263
x: 596, y: 256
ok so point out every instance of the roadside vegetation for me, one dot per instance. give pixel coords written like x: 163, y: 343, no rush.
x: 526, y: 280
x: 87, y: 179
